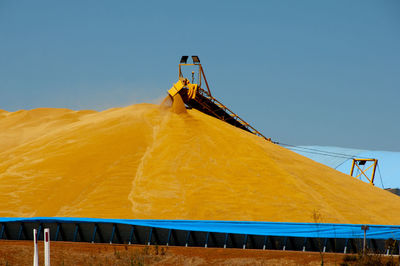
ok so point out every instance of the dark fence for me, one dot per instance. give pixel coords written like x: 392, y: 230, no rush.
x: 107, y: 232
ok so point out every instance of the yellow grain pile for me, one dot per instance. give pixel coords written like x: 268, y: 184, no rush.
x: 144, y: 162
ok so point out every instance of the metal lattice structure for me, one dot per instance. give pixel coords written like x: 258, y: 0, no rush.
x: 363, y: 172
x: 194, y: 96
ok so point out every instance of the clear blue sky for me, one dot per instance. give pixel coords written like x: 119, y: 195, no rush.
x: 302, y: 72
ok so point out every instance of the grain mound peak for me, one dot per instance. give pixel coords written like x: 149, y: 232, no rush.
x: 145, y: 162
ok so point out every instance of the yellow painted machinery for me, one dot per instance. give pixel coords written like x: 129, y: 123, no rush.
x: 193, y: 95
x: 358, y: 162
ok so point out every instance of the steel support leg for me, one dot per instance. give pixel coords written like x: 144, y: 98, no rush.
x: 131, y: 234
x: 207, y: 236
x: 57, y: 232
x: 112, y: 234
x: 345, y: 246
x: 169, y: 236
x: 94, y: 233
x: 284, y: 243
x: 76, y: 232
x: 21, y: 228
x: 325, y: 243
x: 2, y: 231
x: 226, y: 240
x: 187, y: 238
x: 265, y: 242
x: 39, y: 231
x: 245, y: 241
x: 304, y: 244
x: 150, y: 236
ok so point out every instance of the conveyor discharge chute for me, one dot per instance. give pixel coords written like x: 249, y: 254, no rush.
x: 194, y: 96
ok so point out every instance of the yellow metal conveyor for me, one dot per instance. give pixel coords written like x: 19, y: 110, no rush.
x: 194, y: 96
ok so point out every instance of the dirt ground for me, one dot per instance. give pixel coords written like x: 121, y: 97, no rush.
x: 68, y: 253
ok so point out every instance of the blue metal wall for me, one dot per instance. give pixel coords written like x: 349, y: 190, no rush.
x: 99, y: 232
x: 224, y: 234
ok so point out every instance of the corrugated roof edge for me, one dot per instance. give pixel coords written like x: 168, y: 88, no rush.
x: 319, y: 230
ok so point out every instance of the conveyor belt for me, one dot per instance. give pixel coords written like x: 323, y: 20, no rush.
x: 194, y: 96
x: 209, y: 105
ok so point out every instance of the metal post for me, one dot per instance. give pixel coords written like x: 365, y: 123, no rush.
x: 187, y: 238
x: 2, y: 230
x: 169, y: 236
x: 39, y: 231
x: 284, y: 243
x: 245, y: 241
x: 226, y: 239
x: 76, y: 232
x: 365, y: 242
x: 20, y: 231
x: 265, y: 242
x: 57, y: 232
x: 150, y: 236
x: 352, y: 167
x: 131, y: 235
x: 112, y: 234
x: 304, y: 244
x: 365, y: 228
x: 35, y: 249
x: 375, y: 161
x: 47, y: 246
x: 94, y: 233
x: 207, y: 235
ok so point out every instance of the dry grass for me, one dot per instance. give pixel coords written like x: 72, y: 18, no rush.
x: 370, y: 259
x: 68, y: 253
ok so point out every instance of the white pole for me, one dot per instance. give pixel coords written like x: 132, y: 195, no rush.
x: 35, y: 249
x: 47, y: 246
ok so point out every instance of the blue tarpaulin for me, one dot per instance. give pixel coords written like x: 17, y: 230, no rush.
x: 309, y: 230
